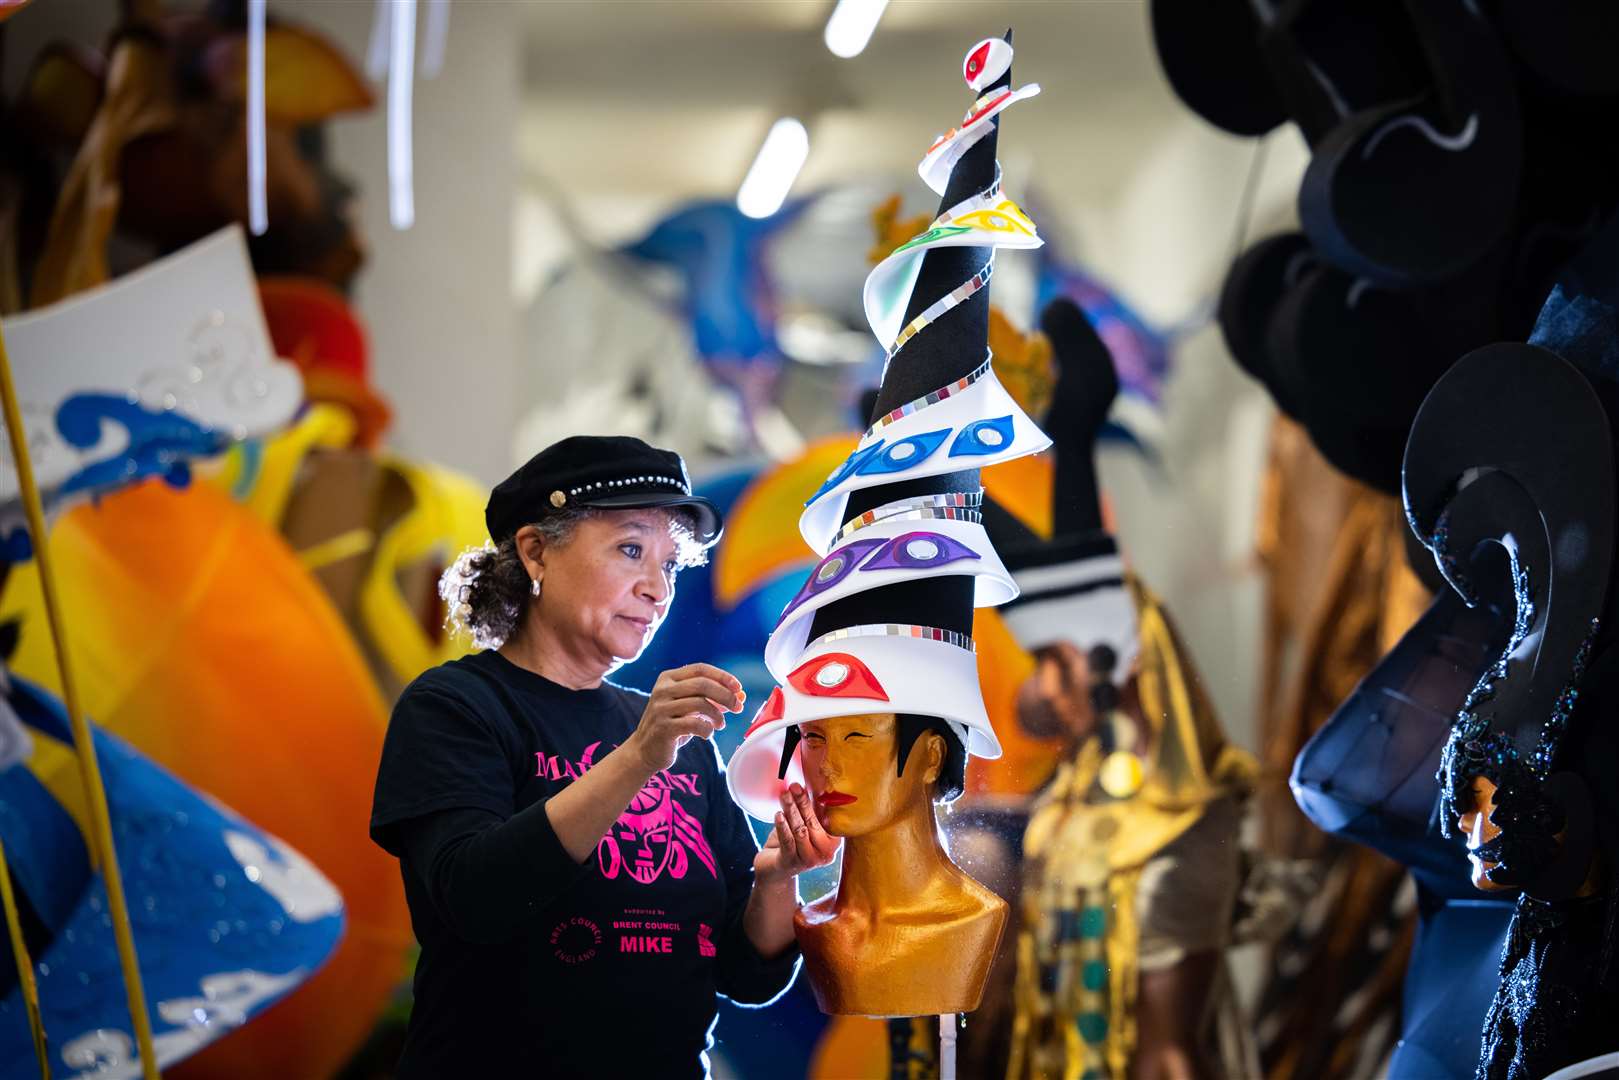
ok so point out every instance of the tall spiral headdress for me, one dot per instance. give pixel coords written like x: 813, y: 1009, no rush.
x: 883, y: 623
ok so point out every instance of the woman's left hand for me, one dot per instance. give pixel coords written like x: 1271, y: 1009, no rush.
x: 797, y: 843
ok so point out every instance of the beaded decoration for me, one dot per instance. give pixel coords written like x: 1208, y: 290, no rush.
x: 631, y: 481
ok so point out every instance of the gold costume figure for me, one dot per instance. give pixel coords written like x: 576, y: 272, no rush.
x: 1098, y: 832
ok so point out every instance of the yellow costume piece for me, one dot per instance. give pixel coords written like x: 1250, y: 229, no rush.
x: 1079, y: 949
x: 415, y: 519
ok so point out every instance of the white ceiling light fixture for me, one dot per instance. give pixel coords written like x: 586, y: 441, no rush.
x: 771, y: 176
x: 401, y: 65
x: 851, y: 25
x: 258, y: 203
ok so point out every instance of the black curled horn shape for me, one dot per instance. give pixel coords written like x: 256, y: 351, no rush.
x: 1512, y: 451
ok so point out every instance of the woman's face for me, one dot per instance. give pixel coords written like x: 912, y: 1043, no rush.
x: 850, y: 763
x: 605, y: 590
x: 1480, y: 830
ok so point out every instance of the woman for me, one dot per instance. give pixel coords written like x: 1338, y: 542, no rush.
x: 580, y: 882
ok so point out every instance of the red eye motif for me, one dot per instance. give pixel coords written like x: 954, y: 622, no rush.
x: 772, y: 709
x: 837, y: 675
x: 986, y: 62
x: 975, y: 62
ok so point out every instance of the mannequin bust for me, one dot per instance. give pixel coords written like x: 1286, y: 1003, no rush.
x: 1478, y: 825
x: 892, y: 938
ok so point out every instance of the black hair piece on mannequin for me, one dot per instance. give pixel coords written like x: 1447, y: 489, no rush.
x: 794, y: 734
x: 953, y: 771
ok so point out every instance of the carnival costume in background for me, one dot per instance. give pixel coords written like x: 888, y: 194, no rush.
x: 1453, y: 169
x: 880, y: 633
x: 127, y: 165
x: 1511, y: 454
x: 1132, y: 859
x: 228, y: 919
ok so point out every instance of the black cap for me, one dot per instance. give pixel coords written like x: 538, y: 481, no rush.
x: 600, y: 472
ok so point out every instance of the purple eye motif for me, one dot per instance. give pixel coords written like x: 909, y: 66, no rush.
x: 829, y: 571
x: 919, y: 551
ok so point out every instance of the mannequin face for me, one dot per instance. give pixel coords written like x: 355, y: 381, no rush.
x: 851, y: 765
x: 1480, y: 830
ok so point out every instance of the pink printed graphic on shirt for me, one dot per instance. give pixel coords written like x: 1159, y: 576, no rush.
x: 655, y: 834
x: 705, y: 944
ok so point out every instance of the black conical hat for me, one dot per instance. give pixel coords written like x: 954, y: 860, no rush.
x: 952, y: 347
x: 886, y: 616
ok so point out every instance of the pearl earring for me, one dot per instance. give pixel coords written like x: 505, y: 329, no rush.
x: 534, y: 587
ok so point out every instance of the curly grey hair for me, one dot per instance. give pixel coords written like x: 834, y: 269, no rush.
x: 487, y: 591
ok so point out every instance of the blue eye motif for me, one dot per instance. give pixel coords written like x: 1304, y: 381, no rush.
x: 919, y: 551
x: 905, y: 453
x: 853, y: 462
x: 829, y: 571
x: 983, y: 437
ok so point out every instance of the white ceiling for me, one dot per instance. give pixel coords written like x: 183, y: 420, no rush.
x: 631, y: 100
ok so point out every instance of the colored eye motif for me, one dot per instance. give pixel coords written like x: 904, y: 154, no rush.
x: 983, y: 437
x: 850, y: 466
x: 986, y: 62
x: 905, y: 454
x: 837, y: 675
x: 919, y: 550
x: 773, y: 708
x: 829, y: 571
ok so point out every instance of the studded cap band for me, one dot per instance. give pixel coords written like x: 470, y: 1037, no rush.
x: 632, y: 481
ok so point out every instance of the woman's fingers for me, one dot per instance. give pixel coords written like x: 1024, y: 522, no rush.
x: 705, y: 671
x: 694, y: 706
x: 688, y: 726
x: 795, y: 819
x: 784, y: 837
x: 726, y: 697
x: 822, y: 843
x: 804, y: 807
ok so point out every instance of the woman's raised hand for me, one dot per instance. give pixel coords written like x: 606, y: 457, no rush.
x: 797, y: 843
x: 685, y: 701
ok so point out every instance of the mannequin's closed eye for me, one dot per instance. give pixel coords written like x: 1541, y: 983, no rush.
x: 814, y: 737
x: 856, y: 735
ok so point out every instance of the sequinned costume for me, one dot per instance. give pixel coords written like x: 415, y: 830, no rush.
x: 1507, y: 685
x: 1132, y: 861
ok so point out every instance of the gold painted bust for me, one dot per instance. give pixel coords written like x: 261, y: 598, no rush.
x: 907, y: 932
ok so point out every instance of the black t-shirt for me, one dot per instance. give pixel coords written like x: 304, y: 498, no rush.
x: 531, y: 964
